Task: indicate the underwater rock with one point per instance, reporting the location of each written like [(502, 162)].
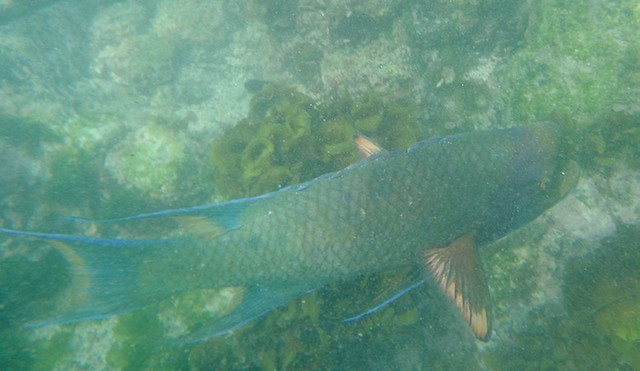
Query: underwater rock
[(191, 21), (149, 160), (571, 72), (144, 63)]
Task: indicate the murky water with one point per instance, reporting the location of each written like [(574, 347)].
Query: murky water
[(113, 108)]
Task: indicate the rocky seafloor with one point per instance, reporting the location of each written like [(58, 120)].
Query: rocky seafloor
[(112, 108)]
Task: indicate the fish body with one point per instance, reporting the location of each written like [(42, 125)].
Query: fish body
[(392, 210)]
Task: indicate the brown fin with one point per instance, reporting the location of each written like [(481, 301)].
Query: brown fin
[(200, 226), (456, 268), (366, 146)]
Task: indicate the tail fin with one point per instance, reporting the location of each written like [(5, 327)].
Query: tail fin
[(114, 276), (105, 277)]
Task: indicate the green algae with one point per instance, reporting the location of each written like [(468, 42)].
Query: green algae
[(571, 69), (578, 66), (56, 349), (288, 138), (595, 327), (292, 138), (304, 340), (511, 252), (29, 293), (332, 148), (605, 146), (137, 345), (620, 322), (603, 295)]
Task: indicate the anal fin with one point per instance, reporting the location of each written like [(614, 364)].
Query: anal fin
[(457, 270)]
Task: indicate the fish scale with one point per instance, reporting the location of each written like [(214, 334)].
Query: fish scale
[(425, 207)]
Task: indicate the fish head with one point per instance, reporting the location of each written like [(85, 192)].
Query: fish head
[(540, 175)]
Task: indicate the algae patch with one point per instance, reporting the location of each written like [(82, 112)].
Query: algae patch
[(289, 138)]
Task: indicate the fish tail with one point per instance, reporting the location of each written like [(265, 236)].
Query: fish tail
[(104, 277)]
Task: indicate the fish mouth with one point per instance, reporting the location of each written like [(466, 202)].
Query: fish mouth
[(559, 173), (565, 179)]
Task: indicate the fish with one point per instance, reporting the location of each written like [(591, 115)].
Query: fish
[(426, 209)]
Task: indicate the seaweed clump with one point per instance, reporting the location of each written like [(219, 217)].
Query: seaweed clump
[(289, 138), (603, 299)]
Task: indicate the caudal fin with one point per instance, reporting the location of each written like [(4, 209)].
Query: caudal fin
[(104, 277)]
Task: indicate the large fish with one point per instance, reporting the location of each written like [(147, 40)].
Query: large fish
[(425, 207)]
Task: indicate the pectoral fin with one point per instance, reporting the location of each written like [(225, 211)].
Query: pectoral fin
[(457, 270)]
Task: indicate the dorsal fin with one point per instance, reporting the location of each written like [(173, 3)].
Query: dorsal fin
[(458, 272), (366, 146)]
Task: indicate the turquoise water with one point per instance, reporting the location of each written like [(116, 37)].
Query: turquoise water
[(112, 108)]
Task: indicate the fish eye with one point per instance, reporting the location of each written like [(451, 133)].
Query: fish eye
[(544, 182)]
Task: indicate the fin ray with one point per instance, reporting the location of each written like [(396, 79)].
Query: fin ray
[(104, 283), (104, 276), (367, 147), (224, 213), (457, 270)]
